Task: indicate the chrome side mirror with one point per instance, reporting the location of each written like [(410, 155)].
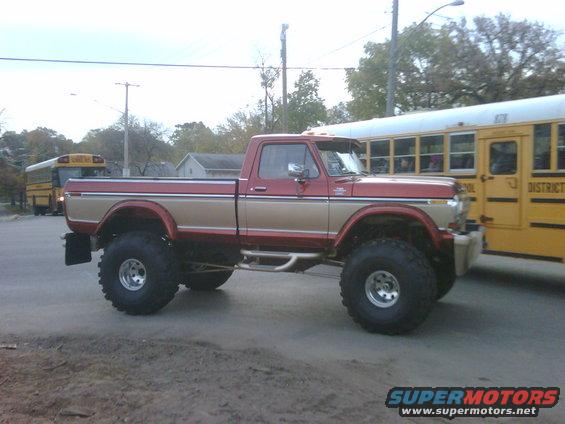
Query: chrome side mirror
[(297, 171)]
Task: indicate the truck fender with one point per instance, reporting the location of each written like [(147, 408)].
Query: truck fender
[(142, 208), (407, 211)]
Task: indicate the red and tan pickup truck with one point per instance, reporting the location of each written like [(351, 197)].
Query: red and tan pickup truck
[(301, 200)]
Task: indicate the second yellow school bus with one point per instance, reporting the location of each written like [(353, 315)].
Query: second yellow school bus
[(45, 180), (509, 155)]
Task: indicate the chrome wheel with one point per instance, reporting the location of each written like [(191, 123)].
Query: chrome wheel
[(132, 274), (382, 289)]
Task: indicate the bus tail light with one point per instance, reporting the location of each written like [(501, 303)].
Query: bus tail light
[(97, 159), (63, 159)]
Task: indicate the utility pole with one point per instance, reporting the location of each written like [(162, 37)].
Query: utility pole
[(392, 60), (284, 99), (125, 171)]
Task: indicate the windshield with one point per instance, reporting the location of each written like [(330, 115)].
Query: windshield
[(340, 158), (66, 173)]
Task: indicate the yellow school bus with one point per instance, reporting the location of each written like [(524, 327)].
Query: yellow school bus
[(45, 180), (509, 155)]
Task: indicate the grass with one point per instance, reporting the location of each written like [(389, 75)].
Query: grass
[(16, 210)]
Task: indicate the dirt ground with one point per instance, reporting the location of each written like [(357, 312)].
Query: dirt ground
[(110, 380)]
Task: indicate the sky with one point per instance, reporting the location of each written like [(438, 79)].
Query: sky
[(72, 98)]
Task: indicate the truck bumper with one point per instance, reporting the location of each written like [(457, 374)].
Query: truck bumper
[(467, 248)]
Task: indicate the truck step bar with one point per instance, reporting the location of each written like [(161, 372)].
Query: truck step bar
[(292, 259)]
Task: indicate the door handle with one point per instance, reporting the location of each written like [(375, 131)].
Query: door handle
[(484, 178), (260, 189), (484, 219)]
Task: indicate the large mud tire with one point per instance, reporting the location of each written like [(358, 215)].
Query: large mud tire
[(388, 286), (138, 273), (445, 280)]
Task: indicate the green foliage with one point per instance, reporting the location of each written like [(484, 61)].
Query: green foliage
[(270, 105), (192, 137), (495, 59), (146, 144), (235, 133), (11, 179), (306, 108), (44, 143), (499, 59), (339, 114)]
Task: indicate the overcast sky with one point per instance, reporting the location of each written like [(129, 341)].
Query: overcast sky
[(192, 32)]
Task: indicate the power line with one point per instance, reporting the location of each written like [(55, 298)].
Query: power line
[(352, 42), (172, 65)]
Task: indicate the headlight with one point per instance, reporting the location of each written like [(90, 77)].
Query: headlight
[(460, 208), (61, 198)]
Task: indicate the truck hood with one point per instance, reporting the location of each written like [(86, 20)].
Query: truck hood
[(405, 187)]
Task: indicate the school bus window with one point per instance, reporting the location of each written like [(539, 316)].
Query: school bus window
[(431, 153), (542, 146), (561, 146), (404, 155), (380, 156), (462, 152), (503, 158)]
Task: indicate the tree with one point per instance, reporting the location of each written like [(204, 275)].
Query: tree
[(270, 103), (498, 59), (106, 142), (235, 133), (306, 108), (338, 114), (495, 60), (192, 137), (44, 143), (146, 144)]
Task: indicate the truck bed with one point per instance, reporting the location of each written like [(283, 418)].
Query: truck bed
[(206, 206)]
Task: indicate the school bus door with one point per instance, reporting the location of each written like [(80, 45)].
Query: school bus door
[(501, 183)]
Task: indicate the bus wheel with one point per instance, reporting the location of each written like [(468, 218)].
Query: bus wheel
[(35, 208)]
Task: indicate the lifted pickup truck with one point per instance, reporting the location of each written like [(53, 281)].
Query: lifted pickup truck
[(301, 200)]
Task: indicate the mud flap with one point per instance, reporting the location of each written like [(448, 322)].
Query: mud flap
[(77, 249)]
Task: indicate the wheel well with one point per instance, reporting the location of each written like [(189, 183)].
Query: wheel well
[(388, 226), (130, 219)]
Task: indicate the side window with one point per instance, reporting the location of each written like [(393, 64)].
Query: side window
[(503, 158), (276, 157), (404, 155), (431, 153), (542, 146), (462, 152), (561, 146), (380, 157)]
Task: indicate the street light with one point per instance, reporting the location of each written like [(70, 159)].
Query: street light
[(96, 101), (393, 52)]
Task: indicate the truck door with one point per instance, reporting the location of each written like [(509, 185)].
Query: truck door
[(501, 183), (281, 211)]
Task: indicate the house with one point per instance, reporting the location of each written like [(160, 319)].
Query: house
[(210, 165)]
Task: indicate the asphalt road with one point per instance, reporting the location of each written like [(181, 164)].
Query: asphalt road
[(502, 325)]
